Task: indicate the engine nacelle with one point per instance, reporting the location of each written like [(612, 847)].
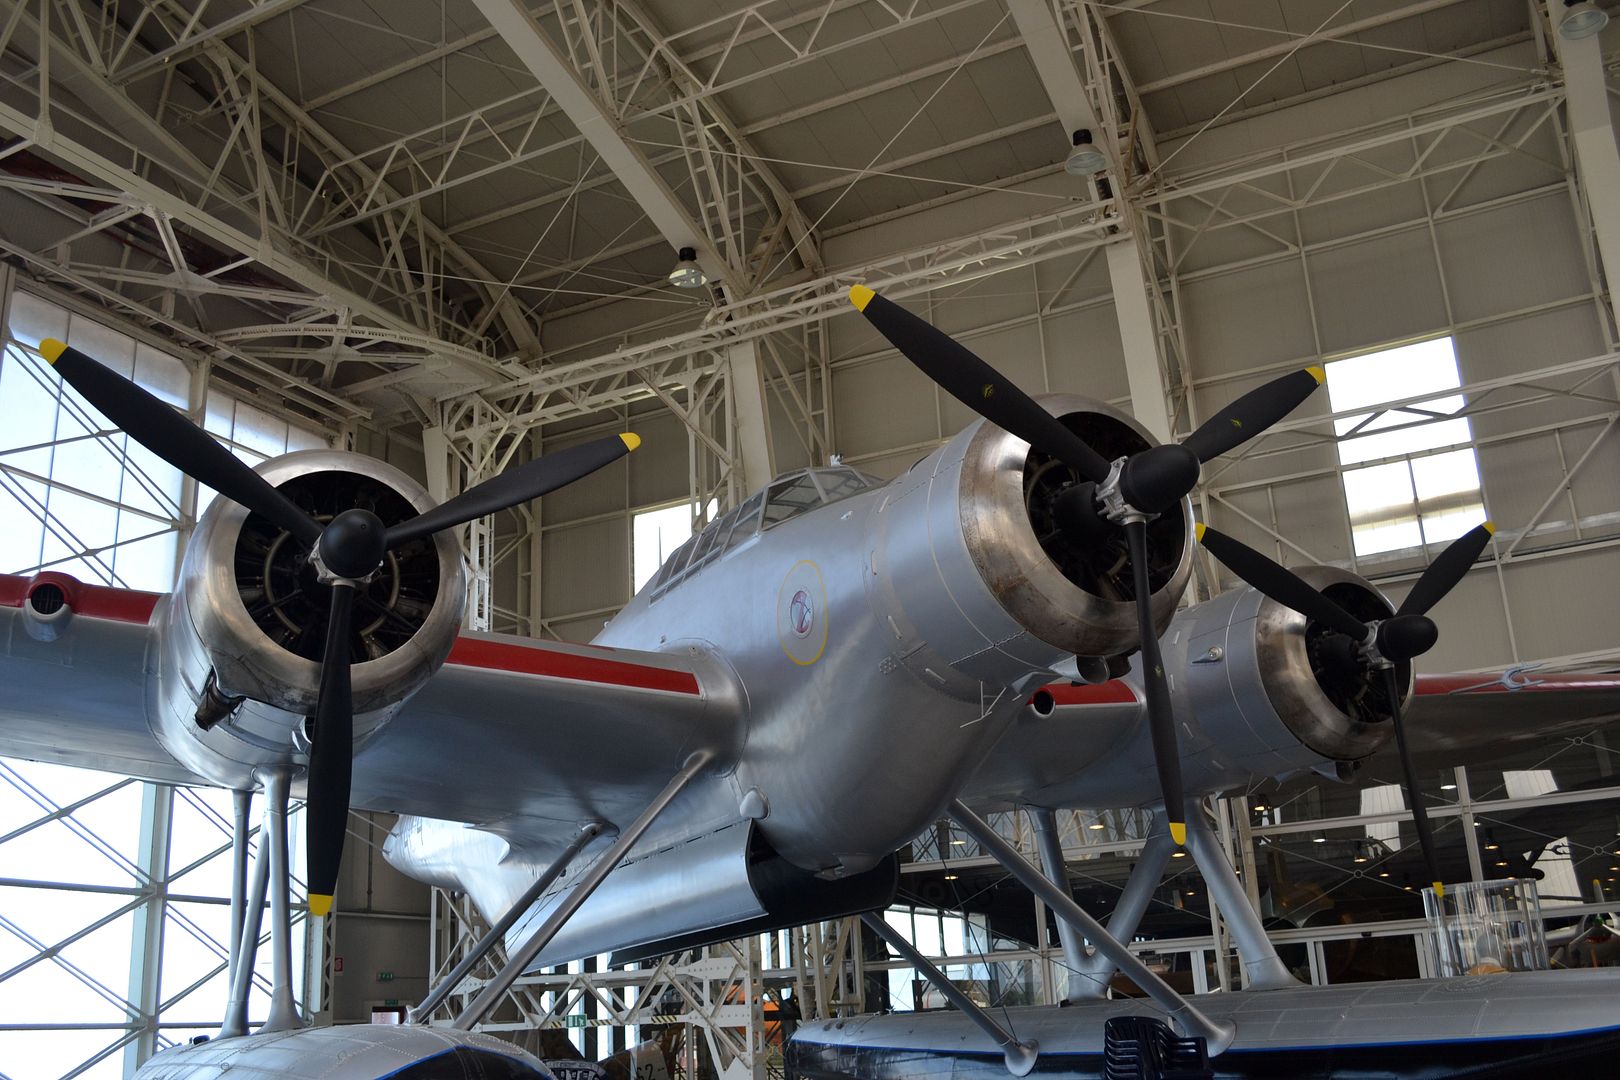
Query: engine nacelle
[(978, 585), (1254, 697), (243, 635)]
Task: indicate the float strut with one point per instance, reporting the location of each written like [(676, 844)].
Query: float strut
[(283, 1012), (1216, 1036), (1019, 1056), (1263, 969), (587, 832), (493, 990)]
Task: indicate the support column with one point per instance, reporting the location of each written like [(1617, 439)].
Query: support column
[(146, 965), (1019, 1057), (1217, 1035), (283, 1011), (1139, 335), (436, 996), (1596, 156), (490, 996), (1263, 969), (751, 408), (1074, 949)]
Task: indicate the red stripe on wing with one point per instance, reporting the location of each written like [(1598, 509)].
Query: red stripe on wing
[(92, 601), (1487, 682), (528, 660), (1112, 692)]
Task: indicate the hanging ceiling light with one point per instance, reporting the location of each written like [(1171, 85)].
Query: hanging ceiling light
[(1085, 159), (1582, 19), (687, 273)]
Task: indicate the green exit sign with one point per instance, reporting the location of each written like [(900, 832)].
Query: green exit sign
[(576, 1021), (385, 976)]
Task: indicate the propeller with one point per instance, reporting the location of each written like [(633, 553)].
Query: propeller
[(346, 551), (1381, 644), (1107, 494)]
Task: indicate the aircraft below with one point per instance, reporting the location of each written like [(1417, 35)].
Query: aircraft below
[(812, 680)]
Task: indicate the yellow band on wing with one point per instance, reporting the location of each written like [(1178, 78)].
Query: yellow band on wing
[(52, 350)]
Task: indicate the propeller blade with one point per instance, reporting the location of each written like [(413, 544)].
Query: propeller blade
[(169, 435), (1252, 413), (1279, 583), (528, 481), (1161, 719), (331, 762), (1446, 570), (976, 384), (1414, 796)]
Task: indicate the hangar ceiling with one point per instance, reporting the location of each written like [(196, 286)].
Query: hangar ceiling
[(394, 212)]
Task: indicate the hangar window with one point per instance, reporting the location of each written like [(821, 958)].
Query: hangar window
[(1410, 474), (654, 534)]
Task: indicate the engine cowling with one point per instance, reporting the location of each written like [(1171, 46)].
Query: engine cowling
[(979, 586), (242, 636)]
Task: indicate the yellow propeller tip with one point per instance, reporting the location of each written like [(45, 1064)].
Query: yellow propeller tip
[(1178, 833), (1318, 373), (860, 296), (1198, 532), (319, 905), (630, 440), (1489, 527), (1439, 890), (52, 350)]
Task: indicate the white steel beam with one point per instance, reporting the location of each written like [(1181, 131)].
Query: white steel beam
[(557, 73), (1139, 335), (753, 441), (1048, 47), (1592, 131)]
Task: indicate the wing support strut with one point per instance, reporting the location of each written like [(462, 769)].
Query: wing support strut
[(587, 832), (271, 875), (1192, 1021), (497, 987), (242, 805), (1263, 969), (1090, 972), (1019, 1056)]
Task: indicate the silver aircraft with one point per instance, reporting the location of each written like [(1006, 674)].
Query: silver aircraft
[(806, 685)]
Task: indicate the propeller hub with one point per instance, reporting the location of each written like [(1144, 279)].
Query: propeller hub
[(1402, 637), (1157, 478), (353, 545)]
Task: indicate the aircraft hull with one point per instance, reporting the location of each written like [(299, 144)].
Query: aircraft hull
[(1496, 1027)]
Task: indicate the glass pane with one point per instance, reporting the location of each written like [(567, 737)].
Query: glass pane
[(789, 498), (1445, 474)]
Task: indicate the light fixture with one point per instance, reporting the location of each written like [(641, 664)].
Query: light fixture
[(1178, 854), (1360, 858), (687, 273), (1085, 159), (1260, 808), (1383, 873), (1448, 787), (1096, 825), (1490, 841), (1318, 839), (1582, 19), (950, 877), (1501, 862), (959, 843)]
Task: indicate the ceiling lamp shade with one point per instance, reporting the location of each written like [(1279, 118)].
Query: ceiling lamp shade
[(1582, 19), (1085, 159), (687, 273)]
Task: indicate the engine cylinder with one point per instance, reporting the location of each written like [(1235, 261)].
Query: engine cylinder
[(245, 632)]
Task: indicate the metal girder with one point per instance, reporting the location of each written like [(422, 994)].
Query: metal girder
[(191, 37), (1591, 129), (561, 79), (1048, 46)]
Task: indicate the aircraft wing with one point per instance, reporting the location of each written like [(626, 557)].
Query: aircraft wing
[(1059, 758), (523, 738), (529, 738), (1452, 713)]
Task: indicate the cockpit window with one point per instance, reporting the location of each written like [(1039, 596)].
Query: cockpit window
[(791, 497), (787, 497)]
